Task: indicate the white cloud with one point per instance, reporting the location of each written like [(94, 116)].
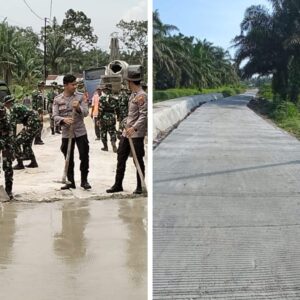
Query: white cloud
[(138, 12)]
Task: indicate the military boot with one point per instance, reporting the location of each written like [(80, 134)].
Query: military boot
[(33, 163), (57, 130), (84, 182), (20, 165), (117, 187), (105, 148), (8, 189), (115, 149)]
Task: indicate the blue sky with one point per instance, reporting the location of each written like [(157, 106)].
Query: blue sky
[(217, 21)]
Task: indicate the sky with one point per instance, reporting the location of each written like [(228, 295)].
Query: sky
[(217, 21), (104, 15)]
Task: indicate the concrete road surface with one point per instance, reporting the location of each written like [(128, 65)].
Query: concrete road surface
[(227, 207)]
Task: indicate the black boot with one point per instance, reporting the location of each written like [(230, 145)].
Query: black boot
[(8, 189), (138, 190), (113, 143), (105, 148), (57, 130), (68, 186), (33, 163), (52, 131), (84, 181), (20, 165), (115, 189), (38, 142)]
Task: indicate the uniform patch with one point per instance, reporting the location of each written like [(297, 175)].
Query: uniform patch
[(140, 100)]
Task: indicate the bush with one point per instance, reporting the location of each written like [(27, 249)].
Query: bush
[(286, 110), (227, 92)]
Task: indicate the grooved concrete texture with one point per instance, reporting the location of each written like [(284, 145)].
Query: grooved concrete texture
[(226, 207), (168, 113)]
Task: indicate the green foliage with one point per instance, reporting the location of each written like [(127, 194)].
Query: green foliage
[(227, 92), (265, 91), (159, 95), (270, 44), (183, 61), (134, 37)]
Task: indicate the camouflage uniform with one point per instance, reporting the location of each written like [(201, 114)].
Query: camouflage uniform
[(38, 106), (107, 118), (122, 111), (6, 146), (50, 96), (20, 114)]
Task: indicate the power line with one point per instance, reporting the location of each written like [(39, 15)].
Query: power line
[(33, 11)]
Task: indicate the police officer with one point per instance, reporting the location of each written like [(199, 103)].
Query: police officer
[(136, 125), (6, 146), (69, 108), (107, 117), (21, 114), (51, 95), (38, 105), (122, 110)]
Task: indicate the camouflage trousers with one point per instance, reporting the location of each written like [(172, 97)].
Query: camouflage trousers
[(108, 125), (24, 140), (51, 121), (38, 136), (7, 159), (122, 124)]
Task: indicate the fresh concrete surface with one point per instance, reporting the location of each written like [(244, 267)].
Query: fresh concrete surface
[(168, 113), (226, 206)]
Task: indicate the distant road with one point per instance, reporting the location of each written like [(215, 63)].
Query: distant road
[(226, 207)]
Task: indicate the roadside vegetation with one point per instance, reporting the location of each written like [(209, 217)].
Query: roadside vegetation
[(162, 95), (71, 47), (270, 44), (184, 65)]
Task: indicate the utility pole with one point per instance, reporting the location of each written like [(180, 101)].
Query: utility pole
[(45, 46)]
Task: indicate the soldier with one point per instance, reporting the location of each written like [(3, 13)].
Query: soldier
[(107, 118), (6, 146), (27, 101), (69, 108), (122, 110), (135, 128), (51, 95), (21, 114), (38, 106)]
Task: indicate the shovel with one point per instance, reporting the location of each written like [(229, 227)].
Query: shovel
[(3, 195), (137, 165), (67, 161)]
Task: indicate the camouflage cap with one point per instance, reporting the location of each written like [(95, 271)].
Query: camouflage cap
[(134, 73), (8, 98)]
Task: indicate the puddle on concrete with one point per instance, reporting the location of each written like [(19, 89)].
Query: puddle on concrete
[(73, 249)]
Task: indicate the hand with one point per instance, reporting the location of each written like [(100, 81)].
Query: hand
[(68, 121), (130, 131), (75, 104)]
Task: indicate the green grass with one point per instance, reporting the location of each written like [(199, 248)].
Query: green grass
[(159, 95), (285, 115)]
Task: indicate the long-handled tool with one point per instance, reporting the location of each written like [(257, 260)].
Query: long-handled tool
[(3, 195), (137, 165), (67, 161)]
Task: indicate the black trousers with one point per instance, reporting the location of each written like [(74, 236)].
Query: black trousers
[(82, 144), (123, 153)]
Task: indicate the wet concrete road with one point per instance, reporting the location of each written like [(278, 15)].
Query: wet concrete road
[(73, 250), (226, 200)]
